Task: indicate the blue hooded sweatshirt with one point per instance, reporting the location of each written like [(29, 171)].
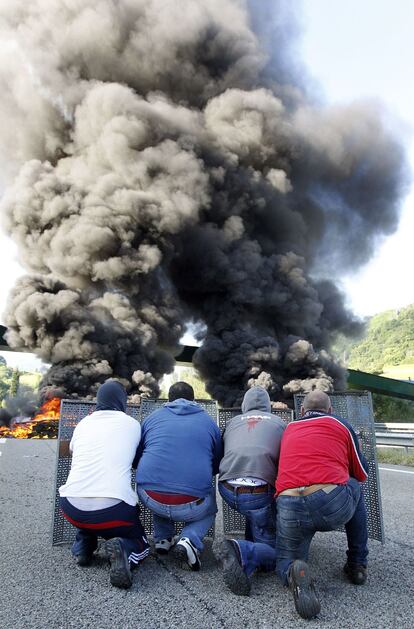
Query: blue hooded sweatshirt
[(180, 450)]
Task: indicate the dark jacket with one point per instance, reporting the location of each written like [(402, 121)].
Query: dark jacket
[(252, 440)]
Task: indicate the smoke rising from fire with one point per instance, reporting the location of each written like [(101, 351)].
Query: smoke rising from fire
[(168, 164)]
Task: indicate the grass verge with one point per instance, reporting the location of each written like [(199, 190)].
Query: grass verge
[(395, 456)]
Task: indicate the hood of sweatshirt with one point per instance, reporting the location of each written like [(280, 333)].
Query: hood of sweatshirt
[(183, 407), (256, 399), (111, 396)]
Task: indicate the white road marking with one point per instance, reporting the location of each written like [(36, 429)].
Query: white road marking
[(3, 440), (388, 469)]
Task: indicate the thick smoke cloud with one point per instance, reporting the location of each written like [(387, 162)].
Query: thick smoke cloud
[(23, 405), (167, 164)]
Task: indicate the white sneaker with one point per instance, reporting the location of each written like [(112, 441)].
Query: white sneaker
[(164, 545), (186, 552)]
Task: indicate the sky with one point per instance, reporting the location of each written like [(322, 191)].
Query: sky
[(364, 49), (354, 50)]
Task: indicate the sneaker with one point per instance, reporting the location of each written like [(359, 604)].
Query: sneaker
[(227, 554), (164, 545), (120, 572), (83, 559), (186, 552), (356, 573), (303, 590)]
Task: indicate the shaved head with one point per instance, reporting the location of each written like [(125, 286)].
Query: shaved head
[(317, 401)]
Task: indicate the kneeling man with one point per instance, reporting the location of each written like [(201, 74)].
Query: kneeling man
[(98, 497), (180, 451), (318, 488), (247, 477)]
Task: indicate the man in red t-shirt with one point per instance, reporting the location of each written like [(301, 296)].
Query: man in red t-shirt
[(318, 489)]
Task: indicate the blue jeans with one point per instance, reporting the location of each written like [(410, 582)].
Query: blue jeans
[(299, 517), (259, 510), (260, 513), (198, 518)]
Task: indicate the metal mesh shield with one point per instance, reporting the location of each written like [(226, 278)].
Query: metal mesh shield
[(226, 414), (356, 407), (234, 522), (71, 412), (148, 406)]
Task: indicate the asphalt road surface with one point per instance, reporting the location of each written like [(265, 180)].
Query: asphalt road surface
[(42, 588)]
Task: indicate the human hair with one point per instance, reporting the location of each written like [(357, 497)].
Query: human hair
[(180, 390)]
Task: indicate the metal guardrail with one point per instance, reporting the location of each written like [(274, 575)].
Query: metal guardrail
[(395, 439), (393, 434), (394, 427)]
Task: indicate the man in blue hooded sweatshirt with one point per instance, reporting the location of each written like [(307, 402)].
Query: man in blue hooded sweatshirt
[(98, 497), (180, 450)]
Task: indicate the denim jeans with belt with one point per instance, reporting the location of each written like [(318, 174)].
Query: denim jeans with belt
[(299, 517), (260, 512), (198, 518), (258, 509)]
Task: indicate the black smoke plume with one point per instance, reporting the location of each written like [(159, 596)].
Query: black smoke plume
[(5, 418), (23, 405), (169, 164)]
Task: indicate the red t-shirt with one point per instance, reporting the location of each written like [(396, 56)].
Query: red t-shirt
[(318, 449)]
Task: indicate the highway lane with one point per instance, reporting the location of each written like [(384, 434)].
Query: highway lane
[(42, 588)]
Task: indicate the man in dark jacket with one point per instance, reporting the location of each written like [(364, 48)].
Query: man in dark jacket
[(247, 480), (180, 452)]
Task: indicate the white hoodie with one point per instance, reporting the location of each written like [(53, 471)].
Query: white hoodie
[(103, 447)]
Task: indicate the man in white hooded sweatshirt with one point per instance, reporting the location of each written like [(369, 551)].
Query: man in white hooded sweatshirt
[(98, 497)]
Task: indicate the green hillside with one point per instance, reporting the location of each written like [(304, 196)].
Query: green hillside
[(387, 347), (389, 343), (14, 381)]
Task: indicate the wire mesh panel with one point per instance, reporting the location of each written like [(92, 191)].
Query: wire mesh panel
[(71, 412), (356, 407), (233, 522), (148, 406), (226, 414)]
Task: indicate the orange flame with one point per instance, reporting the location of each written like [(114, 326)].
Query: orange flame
[(49, 412)]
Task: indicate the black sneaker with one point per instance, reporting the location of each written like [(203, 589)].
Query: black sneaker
[(83, 559), (120, 573), (227, 554), (356, 573), (303, 590), (186, 553), (164, 545)]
